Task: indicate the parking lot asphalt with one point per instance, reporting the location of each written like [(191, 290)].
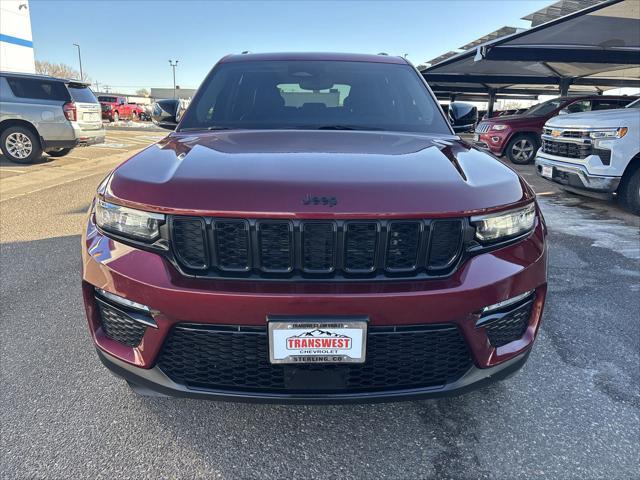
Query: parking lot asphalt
[(572, 412)]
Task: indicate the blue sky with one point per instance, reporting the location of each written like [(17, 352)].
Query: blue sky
[(127, 44)]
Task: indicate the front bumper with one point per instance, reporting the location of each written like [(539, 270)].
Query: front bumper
[(153, 381), (495, 141), (576, 176), (147, 278)]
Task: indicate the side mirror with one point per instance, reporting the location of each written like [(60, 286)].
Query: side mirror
[(462, 116), (166, 113), (564, 111)]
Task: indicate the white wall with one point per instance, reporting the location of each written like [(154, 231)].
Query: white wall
[(16, 42)]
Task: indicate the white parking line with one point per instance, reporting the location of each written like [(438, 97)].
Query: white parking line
[(116, 146)]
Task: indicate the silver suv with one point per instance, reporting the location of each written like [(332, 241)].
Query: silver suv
[(39, 114)]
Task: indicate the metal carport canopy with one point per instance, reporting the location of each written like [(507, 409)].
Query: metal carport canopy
[(592, 50)]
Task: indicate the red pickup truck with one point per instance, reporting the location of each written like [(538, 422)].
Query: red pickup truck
[(115, 108)]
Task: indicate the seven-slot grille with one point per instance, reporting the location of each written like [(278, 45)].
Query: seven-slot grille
[(315, 248), (482, 128)]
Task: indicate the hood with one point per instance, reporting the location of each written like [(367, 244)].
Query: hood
[(512, 119), (276, 173), (619, 117)]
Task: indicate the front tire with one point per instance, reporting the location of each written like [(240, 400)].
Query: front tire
[(629, 191), (60, 152), (521, 149), (20, 145)]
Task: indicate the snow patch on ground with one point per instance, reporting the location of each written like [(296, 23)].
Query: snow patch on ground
[(605, 231)]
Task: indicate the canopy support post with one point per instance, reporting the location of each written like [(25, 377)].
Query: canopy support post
[(492, 99), (564, 86)]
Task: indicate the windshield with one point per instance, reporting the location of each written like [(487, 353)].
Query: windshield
[(634, 104), (107, 99), (544, 107), (314, 95)]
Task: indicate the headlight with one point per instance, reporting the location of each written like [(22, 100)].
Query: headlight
[(498, 126), (609, 133), (504, 224), (128, 222)]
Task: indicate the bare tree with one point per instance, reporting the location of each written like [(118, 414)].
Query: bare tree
[(57, 70), (142, 92)]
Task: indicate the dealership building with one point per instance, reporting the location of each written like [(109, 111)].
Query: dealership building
[(16, 42)]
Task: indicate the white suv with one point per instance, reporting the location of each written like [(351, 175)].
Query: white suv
[(595, 153)]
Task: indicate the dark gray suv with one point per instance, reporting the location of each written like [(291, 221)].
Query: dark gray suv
[(39, 113)]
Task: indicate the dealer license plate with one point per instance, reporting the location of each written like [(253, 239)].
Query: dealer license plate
[(317, 341), (90, 117), (476, 138), (547, 171)]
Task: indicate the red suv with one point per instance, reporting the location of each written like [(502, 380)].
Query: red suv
[(313, 231), (518, 136)]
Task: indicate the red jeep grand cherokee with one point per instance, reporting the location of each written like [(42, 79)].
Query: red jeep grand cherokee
[(313, 231)]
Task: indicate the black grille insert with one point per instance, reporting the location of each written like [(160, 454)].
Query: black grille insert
[(276, 246), (446, 242), (508, 326), (567, 149), (232, 244), (237, 359), (189, 242), (361, 241), (119, 326), (318, 247), (403, 243)]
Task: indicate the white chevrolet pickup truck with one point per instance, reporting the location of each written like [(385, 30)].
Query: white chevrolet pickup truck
[(594, 153)]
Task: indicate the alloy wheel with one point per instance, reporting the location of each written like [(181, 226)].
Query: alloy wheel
[(18, 145), (522, 150)]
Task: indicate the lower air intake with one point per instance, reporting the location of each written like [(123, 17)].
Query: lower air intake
[(237, 359), (118, 326)]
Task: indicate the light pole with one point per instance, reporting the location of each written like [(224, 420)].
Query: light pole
[(174, 65), (80, 60)]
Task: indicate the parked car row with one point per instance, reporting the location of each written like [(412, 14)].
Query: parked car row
[(595, 153), (587, 144), (518, 137), (39, 113)]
